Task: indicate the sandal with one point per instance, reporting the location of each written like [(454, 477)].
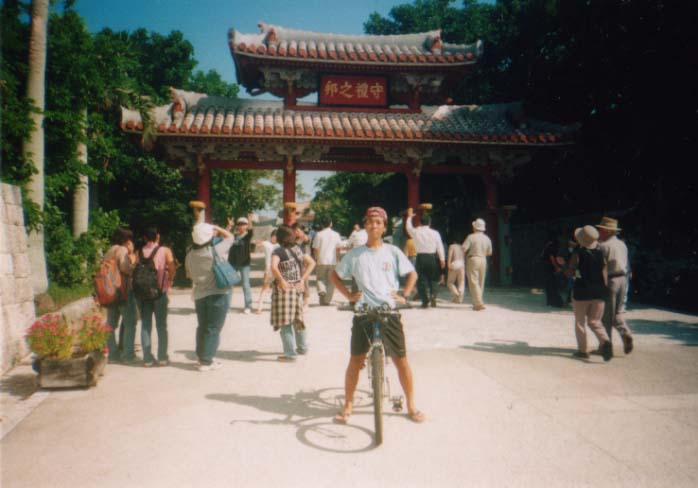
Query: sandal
[(417, 417), (341, 418)]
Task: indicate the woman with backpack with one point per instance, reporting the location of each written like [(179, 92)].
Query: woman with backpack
[(211, 303), (152, 278), (291, 268), (122, 254)]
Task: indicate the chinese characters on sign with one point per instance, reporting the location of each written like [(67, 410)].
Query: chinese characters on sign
[(353, 90)]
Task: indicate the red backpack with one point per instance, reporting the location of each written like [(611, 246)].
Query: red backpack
[(110, 288)]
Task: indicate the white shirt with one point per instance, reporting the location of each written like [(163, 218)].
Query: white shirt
[(268, 249), (426, 240), (616, 253), (477, 245), (357, 238), (376, 272), (326, 242)]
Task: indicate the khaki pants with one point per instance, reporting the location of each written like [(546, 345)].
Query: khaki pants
[(476, 270), (325, 287), (456, 276), (591, 312), (613, 313)]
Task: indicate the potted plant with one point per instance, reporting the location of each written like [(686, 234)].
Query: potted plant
[(67, 357)]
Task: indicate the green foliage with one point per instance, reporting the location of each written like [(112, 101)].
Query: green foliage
[(211, 83), (235, 193), (344, 197), (73, 261)]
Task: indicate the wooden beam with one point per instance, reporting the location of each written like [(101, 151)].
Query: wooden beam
[(351, 167)]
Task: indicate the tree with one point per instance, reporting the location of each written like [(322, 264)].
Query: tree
[(33, 147)]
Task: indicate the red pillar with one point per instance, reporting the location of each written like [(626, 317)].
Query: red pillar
[(289, 191), (413, 194), (412, 190), (203, 185), (492, 220)]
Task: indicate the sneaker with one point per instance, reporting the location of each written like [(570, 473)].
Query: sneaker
[(165, 362), (302, 352), (581, 355), (606, 350), (148, 364), (627, 343), (210, 367), (285, 359), (247, 311)]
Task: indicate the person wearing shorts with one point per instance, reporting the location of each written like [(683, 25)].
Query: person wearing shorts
[(376, 267)]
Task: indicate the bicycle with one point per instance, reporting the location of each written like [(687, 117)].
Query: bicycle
[(377, 359)]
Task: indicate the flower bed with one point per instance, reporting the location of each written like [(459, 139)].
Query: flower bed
[(67, 356)]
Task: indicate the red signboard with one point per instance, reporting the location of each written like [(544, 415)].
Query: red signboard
[(353, 90)]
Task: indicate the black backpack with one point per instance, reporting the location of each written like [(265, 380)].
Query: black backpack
[(145, 278)]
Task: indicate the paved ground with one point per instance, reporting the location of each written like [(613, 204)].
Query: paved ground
[(506, 406)]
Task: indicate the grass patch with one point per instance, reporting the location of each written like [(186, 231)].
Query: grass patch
[(62, 296)]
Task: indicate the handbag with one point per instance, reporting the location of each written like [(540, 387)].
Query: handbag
[(224, 273)]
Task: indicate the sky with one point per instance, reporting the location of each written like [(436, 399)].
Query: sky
[(205, 23)]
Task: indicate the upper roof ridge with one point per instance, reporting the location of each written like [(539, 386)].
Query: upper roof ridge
[(285, 33)]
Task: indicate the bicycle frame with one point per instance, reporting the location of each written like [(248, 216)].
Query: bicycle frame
[(376, 362)]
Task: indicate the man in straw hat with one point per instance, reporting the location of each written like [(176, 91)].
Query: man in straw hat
[(477, 248), (616, 254)]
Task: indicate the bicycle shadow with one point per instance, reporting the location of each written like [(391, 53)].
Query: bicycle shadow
[(310, 413)]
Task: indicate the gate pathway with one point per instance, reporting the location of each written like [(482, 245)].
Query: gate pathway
[(506, 405)]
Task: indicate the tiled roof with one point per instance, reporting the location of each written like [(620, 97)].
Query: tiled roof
[(425, 48), (197, 114)]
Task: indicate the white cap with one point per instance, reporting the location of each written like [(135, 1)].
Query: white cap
[(202, 233), (242, 220)]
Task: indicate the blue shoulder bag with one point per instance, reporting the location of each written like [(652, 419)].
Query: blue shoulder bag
[(224, 273)]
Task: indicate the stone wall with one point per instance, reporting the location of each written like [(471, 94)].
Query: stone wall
[(16, 294)]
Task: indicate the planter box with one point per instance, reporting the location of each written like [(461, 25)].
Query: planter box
[(66, 373)]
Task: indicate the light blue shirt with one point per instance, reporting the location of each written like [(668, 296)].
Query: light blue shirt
[(376, 272)]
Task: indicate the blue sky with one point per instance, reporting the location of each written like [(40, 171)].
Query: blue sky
[(205, 23)]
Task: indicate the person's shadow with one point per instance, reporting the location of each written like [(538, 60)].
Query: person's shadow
[(520, 348)]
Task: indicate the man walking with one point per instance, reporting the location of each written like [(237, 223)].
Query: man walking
[(616, 254), (430, 257), (477, 248), (326, 247), (376, 267), (240, 258)]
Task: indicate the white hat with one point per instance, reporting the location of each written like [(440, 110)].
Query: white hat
[(202, 233), (479, 224), (242, 220), (587, 236)]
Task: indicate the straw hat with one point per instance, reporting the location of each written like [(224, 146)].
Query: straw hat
[(202, 233), (607, 223), (479, 224), (587, 236)]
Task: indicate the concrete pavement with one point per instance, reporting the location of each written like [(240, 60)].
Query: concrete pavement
[(506, 405)]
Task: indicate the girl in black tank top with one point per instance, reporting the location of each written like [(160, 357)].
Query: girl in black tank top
[(591, 284)]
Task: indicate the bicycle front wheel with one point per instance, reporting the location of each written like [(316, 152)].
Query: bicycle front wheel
[(377, 384)]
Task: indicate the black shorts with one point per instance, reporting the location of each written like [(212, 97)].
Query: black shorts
[(391, 332)]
